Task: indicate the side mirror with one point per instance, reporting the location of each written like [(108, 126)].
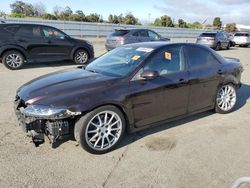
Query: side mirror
[(149, 74)]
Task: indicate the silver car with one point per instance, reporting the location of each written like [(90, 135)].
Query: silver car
[(216, 40), (242, 39), (128, 36)]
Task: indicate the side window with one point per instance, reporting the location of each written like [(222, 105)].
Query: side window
[(169, 60), (136, 34), (143, 33), (153, 36), (12, 29), (53, 33), (200, 57), (34, 31)]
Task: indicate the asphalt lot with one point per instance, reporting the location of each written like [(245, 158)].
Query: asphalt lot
[(205, 150)]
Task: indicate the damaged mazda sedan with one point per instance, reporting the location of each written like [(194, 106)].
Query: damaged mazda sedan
[(130, 88)]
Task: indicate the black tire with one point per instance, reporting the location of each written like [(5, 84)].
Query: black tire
[(218, 46), (81, 56), (13, 54), (83, 124), (228, 46), (218, 107)]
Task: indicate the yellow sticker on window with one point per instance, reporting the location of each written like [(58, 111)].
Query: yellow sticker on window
[(136, 57), (168, 56)]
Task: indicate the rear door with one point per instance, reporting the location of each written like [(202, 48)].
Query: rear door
[(30, 37), (206, 73), (143, 36)]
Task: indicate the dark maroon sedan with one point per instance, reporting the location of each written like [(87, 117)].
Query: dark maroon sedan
[(130, 88)]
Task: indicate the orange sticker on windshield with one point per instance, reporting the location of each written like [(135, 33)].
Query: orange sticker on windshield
[(168, 56), (136, 57)]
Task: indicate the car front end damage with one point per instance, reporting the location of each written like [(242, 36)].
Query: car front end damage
[(39, 121)]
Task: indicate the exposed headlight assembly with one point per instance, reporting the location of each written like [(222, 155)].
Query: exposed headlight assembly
[(47, 112)]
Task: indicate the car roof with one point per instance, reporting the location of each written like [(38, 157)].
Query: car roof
[(25, 24), (157, 44), (132, 29)]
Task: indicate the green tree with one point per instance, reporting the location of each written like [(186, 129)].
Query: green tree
[(217, 23), (39, 9), (49, 17), (19, 7), (93, 18), (157, 22), (166, 21), (130, 19), (182, 23), (231, 27)]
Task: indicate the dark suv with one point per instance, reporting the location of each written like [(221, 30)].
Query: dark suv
[(128, 36), (21, 43)]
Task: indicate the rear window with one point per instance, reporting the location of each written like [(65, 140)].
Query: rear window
[(241, 35), (34, 31), (207, 35), (119, 33), (12, 29)]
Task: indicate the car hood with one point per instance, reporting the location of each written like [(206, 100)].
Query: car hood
[(54, 87)]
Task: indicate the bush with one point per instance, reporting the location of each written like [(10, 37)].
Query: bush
[(16, 15), (49, 17)]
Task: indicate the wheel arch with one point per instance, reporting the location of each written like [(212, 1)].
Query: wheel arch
[(72, 55), (121, 107), (16, 48)]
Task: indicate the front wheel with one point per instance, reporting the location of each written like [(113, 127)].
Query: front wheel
[(81, 56), (225, 99), (100, 130)]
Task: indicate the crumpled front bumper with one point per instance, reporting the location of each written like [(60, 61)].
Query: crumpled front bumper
[(39, 128)]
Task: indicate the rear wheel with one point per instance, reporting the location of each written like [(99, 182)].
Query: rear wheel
[(100, 130), (218, 46), (13, 60), (81, 56), (225, 99)]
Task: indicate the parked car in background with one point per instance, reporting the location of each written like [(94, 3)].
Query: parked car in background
[(21, 43), (242, 39), (132, 87), (128, 36), (230, 38), (216, 40)]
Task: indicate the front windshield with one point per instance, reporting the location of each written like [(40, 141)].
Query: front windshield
[(120, 61)]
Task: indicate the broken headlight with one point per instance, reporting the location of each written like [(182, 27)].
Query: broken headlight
[(47, 112)]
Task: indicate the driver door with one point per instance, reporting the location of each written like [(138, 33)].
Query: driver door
[(165, 96), (58, 45)]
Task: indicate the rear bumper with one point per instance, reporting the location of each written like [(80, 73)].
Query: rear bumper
[(208, 44)]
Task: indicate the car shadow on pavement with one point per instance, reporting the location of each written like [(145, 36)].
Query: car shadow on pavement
[(243, 96)]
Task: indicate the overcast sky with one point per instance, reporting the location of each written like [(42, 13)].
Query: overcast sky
[(189, 10)]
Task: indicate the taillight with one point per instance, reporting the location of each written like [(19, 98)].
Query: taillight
[(121, 40)]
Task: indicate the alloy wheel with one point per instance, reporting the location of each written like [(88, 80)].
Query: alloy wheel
[(103, 130), (14, 60), (226, 98), (82, 57)]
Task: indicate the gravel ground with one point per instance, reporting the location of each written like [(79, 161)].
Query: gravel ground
[(205, 150)]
